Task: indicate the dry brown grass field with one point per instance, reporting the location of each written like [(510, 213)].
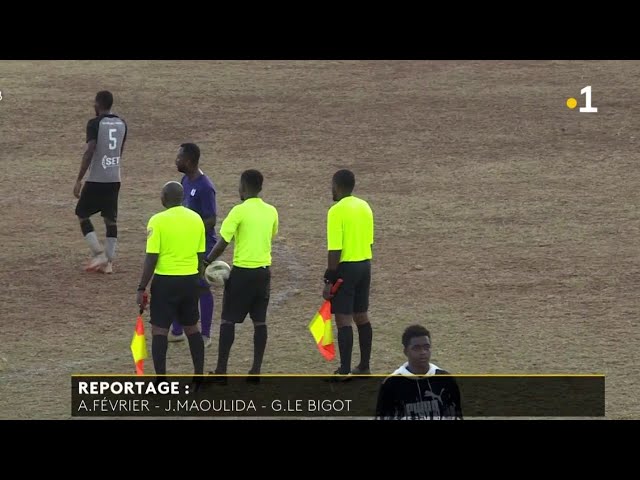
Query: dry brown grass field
[(506, 223)]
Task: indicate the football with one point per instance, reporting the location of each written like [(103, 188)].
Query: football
[(217, 273)]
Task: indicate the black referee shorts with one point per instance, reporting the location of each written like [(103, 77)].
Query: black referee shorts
[(353, 295), (99, 197), (174, 298), (246, 291)]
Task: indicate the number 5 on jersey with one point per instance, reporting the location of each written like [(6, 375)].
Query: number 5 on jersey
[(112, 140)]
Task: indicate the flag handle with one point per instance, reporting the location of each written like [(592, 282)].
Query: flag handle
[(336, 286), (145, 300)]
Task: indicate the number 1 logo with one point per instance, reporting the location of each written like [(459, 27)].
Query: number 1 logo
[(586, 91)]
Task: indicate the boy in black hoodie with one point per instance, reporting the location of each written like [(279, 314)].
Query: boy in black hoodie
[(418, 390)]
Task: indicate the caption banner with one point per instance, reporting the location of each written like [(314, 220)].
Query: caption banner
[(322, 396)]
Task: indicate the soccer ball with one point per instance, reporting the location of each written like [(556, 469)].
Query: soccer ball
[(216, 273)]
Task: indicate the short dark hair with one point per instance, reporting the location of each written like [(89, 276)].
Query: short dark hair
[(192, 151), (252, 179), (345, 179), (414, 331), (104, 99)]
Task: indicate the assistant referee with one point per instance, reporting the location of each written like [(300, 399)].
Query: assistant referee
[(251, 225), (350, 243), (175, 254)]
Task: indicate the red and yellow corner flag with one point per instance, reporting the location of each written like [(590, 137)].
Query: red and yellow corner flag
[(139, 346), (322, 329)]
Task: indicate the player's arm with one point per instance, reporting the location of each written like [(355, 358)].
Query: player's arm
[(217, 250), (202, 251), (334, 246), (84, 166), (209, 216), (227, 232), (210, 223), (92, 138), (86, 159)]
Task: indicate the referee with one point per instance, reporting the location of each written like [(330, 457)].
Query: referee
[(252, 225), (175, 250), (350, 242)]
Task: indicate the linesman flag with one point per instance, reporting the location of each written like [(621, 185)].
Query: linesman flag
[(139, 346), (138, 342), (322, 329)]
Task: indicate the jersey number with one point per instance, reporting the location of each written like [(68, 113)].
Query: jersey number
[(113, 141)]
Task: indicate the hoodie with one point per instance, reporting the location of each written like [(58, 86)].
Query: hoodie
[(407, 396), (404, 370)]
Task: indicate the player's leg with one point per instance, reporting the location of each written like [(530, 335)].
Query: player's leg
[(188, 316), (361, 318), (258, 313), (111, 243), (342, 307), (206, 315), (88, 205), (163, 308), (176, 334), (234, 310), (110, 216)]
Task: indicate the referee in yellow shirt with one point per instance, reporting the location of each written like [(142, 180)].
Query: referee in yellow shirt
[(175, 254), (252, 226), (350, 242)]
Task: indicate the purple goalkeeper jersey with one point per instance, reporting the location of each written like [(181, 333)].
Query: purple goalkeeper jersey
[(200, 196)]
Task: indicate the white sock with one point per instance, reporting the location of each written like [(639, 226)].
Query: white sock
[(94, 243), (110, 248)]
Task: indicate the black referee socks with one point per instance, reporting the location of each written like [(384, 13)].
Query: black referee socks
[(259, 345), (365, 337), (345, 343), (196, 345), (159, 352), (227, 336)]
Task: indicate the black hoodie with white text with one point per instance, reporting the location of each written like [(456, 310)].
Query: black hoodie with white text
[(407, 396)]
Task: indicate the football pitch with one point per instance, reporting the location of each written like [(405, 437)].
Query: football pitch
[(506, 222)]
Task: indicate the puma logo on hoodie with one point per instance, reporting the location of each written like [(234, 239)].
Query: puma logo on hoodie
[(407, 396)]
